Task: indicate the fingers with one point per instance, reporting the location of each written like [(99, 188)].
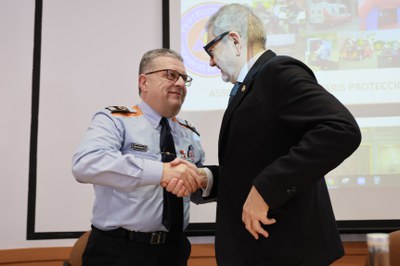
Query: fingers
[(253, 225), (171, 185), (202, 178), (178, 161), (180, 170), (194, 179), (259, 229), (191, 180), (176, 186), (183, 192), (255, 213), (185, 162), (188, 175)]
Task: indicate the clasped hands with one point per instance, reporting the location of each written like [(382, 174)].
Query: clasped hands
[(181, 177)]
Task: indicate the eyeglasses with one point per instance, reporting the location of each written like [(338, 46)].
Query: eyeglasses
[(174, 76), (214, 41)]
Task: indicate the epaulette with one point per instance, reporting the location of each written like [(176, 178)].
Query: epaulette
[(119, 109), (189, 126)]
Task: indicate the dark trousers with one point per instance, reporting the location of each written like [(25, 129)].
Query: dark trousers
[(107, 250)]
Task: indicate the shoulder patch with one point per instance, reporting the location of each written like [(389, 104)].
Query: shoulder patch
[(118, 109), (123, 111), (187, 125)]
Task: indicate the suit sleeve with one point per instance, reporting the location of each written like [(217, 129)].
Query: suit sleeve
[(324, 130)]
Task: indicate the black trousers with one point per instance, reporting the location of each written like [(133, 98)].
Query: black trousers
[(103, 249)]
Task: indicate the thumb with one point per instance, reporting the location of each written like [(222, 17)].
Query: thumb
[(175, 162)]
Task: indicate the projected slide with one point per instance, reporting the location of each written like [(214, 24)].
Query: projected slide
[(344, 42)]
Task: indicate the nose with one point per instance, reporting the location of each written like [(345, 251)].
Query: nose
[(180, 81), (212, 62)]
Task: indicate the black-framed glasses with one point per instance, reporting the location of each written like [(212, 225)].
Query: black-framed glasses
[(214, 41), (174, 76)]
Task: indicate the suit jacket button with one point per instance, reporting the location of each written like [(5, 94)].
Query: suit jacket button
[(289, 192)]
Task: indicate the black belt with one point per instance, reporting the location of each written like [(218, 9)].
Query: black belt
[(154, 238)]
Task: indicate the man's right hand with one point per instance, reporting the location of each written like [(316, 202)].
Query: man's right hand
[(202, 179), (176, 186), (180, 178)]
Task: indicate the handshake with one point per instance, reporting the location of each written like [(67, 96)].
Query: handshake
[(182, 178)]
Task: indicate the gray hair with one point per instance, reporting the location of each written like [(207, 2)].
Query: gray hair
[(146, 63), (239, 18)]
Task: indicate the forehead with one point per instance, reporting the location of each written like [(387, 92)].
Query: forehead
[(168, 62)]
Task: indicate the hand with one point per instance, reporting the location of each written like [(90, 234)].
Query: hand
[(182, 172), (175, 186), (202, 180), (255, 211)]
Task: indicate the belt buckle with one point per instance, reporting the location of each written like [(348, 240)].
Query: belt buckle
[(158, 238)]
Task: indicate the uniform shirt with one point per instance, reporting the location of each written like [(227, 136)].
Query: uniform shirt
[(120, 155)]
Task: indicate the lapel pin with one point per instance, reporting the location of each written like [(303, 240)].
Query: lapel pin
[(243, 88)]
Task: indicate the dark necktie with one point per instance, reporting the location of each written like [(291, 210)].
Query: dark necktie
[(173, 206), (234, 90)]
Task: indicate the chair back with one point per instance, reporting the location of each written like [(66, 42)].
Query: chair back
[(75, 258), (394, 248)]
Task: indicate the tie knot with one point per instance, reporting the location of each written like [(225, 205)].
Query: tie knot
[(164, 122), (235, 89)]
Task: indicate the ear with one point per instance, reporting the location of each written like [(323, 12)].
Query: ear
[(142, 82), (237, 41)]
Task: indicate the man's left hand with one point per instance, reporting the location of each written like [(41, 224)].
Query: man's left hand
[(255, 212)]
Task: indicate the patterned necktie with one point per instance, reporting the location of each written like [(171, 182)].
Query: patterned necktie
[(234, 91), (173, 206)]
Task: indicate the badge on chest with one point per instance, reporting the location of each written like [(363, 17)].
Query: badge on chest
[(139, 147)]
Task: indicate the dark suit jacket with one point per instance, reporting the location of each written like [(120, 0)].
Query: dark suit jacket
[(282, 133)]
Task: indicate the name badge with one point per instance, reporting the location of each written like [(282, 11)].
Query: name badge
[(139, 147)]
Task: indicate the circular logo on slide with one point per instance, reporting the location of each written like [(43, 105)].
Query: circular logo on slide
[(194, 37)]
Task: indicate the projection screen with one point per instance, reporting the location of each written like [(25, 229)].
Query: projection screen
[(354, 49)]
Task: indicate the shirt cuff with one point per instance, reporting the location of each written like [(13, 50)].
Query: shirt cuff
[(210, 181), (152, 172)]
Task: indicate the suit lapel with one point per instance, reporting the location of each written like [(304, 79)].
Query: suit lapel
[(246, 86)]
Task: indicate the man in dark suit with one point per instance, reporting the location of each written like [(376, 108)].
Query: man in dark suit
[(280, 134)]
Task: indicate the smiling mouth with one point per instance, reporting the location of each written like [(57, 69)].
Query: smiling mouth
[(176, 93)]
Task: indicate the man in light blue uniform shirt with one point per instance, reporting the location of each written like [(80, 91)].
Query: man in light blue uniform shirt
[(120, 155)]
